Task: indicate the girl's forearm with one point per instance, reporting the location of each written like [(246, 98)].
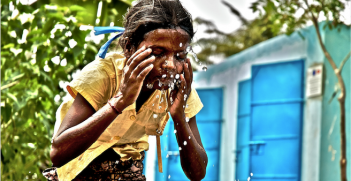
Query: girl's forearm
[(75, 140), (192, 154)]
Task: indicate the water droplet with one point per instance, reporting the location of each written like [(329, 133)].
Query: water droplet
[(171, 76), (187, 106), (164, 76), (204, 68), (177, 54), (157, 96), (160, 84), (184, 87), (155, 115), (189, 137), (177, 76), (180, 44), (183, 106), (161, 100), (188, 48), (248, 179), (149, 86), (167, 156), (159, 107), (200, 63), (187, 119), (153, 104), (175, 131), (182, 91), (251, 174), (185, 143), (180, 148), (171, 99), (117, 162), (185, 96)]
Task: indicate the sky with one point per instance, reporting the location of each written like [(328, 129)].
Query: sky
[(225, 21)]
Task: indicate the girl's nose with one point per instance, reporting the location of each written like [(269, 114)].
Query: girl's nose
[(169, 63)]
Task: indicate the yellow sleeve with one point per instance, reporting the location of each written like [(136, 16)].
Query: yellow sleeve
[(194, 104), (96, 83)]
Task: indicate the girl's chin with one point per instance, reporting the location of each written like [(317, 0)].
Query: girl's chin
[(160, 84)]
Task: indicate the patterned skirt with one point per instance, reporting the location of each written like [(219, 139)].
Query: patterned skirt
[(107, 167)]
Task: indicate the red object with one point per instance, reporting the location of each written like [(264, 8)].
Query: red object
[(113, 107)]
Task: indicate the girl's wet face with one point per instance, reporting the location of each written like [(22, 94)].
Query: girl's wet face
[(169, 48)]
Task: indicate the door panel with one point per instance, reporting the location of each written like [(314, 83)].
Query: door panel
[(242, 152), (276, 116)]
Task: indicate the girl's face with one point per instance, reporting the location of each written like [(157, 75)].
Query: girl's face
[(169, 48)]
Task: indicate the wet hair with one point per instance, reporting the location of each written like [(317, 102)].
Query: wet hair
[(149, 15)]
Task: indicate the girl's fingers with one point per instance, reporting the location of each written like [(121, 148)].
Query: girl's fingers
[(182, 91), (141, 56), (141, 66), (187, 74), (190, 70), (144, 72), (135, 54), (135, 61)]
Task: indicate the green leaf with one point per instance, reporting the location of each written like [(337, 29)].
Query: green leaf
[(11, 96), (11, 45), (76, 8), (46, 89)]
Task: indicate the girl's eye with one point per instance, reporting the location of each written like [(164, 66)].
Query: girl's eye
[(181, 56), (157, 53)]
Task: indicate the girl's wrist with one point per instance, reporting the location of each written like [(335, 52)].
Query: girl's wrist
[(117, 103)]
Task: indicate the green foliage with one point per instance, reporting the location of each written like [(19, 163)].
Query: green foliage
[(30, 79), (289, 15), (226, 44)]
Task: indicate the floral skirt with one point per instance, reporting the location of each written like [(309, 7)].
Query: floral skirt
[(107, 167)]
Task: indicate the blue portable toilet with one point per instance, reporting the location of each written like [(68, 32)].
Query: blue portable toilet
[(263, 126)]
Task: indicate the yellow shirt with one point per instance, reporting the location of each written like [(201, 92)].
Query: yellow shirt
[(128, 133)]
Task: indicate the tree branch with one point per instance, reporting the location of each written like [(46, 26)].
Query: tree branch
[(344, 61), (341, 98), (9, 85)]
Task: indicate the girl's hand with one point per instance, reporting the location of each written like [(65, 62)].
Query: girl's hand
[(134, 73), (179, 96)]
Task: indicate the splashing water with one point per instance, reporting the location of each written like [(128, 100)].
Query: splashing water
[(149, 86), (189, 137), (185, 96), (167, 156), (180, 44), (175, 131), (187, 119), (185, 143), (171, 76), (177, 76), (169, 176), (164, 76), (155, 116), (180, 148)]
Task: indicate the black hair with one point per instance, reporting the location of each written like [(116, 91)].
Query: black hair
[(148, 15)]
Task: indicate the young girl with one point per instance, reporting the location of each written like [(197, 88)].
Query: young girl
[(121, 99)]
